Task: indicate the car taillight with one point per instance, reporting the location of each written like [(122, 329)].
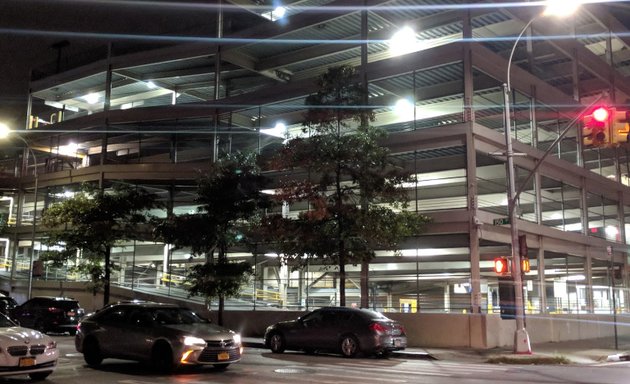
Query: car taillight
[(71, 313), (376, 327), (402, 329)]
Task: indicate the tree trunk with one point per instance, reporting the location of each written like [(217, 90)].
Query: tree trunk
[(108, 253), (221, 308), (342, 284), (365, 297)]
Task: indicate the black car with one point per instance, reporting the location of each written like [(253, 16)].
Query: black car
[(165, 335), (49, 314), (7, 303), (349, 331)]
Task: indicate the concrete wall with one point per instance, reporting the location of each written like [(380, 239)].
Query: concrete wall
[(442, 330)]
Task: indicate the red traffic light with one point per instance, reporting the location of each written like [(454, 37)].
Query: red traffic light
[(501, 265), (601, 114), (597, 127)]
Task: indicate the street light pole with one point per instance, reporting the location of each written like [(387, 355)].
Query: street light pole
[(521, 337), (33, 231), (4, 132)]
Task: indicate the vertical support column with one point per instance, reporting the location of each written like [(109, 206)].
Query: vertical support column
[(584, 207), (575, 76), (107, 103), (620, 218), (540, 262), (365, 265), (471, 172), (217, 80), (611, 65), (538, 197), (588, 269), (533, 117), (469, 111)]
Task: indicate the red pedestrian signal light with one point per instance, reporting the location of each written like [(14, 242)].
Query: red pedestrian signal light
[(597, 129), (501, 266)]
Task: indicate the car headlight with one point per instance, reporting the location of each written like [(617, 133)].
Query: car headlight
[(237, 338), (51, 345), (192, 340)]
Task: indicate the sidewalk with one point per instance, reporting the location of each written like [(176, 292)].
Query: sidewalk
[(593, 351)]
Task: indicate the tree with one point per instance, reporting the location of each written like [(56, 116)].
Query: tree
[(229, 197), (349, 180), (90, 224)]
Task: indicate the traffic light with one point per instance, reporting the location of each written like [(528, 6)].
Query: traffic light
[(597, 127), (501, 266), (525, 265), (620, 127)]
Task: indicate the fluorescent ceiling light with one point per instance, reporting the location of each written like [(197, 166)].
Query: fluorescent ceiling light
[(91, 98), (280, 130), (278, 13), (404, 108), (69, 150), (404, 41)]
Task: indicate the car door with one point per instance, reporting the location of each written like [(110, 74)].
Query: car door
[(26, 314), (111, 332), (315, 332), (138, 333)]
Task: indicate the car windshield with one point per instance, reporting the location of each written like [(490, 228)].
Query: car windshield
[(173, 316)]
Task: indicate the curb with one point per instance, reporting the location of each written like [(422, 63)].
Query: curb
[(618, 357)]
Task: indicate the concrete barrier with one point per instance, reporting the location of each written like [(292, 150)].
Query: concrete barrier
[(438, 330)]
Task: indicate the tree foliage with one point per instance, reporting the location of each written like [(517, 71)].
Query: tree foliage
[(86, 227), (229, 197), (353, 188)]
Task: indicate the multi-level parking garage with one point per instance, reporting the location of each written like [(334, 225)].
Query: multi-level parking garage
[(152, 116)]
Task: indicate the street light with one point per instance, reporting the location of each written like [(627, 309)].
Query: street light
[(5, 131), (521, 337)]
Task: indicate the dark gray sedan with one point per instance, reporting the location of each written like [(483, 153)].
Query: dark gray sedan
[(164, 335), (348, 331)]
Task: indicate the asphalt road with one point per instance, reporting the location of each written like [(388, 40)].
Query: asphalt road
[(261, 366)]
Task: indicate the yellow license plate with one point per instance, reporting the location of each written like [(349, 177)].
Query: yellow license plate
[(27, 361), (223, 356)]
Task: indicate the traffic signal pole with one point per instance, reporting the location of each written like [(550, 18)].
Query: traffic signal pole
[(521, 337)]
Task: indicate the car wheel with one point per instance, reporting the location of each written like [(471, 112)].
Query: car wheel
[(349, 346), (277, 343), (92, 352), (162, 358), (72, 332), (39, 375), (309, 351)]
